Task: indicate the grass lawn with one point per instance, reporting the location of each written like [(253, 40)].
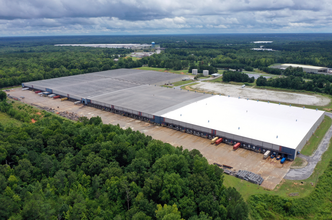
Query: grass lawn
[(164, 69), (134, 58), (11, 87), (167, 86), (6, 120), (317, 137), (219, 80), (179, 83), (297, 162), (184, 87), (204, 77), (244, 187)]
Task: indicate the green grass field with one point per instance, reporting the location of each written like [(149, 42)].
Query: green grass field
[(317, 137), (179, 83), (134, 58), (7, 121), (164, 69), (184, 87), (297, 162), (218, 80)]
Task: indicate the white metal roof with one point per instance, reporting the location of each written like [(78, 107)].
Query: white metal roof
[(303, 66), (257, 120)]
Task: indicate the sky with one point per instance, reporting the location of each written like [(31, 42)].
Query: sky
[(107, 17)]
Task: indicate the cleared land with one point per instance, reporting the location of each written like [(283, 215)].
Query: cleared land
[(7, 121), (271, 170), (260, 94)]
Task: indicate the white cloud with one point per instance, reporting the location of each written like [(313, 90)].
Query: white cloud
[(21, 17)]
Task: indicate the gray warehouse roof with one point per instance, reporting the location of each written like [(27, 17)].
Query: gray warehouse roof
[(93, 84), (134, 91), (125, 88), (147, 98)]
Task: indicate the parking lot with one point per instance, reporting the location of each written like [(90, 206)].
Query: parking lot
[(270, 169)]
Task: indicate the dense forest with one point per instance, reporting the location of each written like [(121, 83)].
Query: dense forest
[(16, 68), (34, 58), (59, 169)]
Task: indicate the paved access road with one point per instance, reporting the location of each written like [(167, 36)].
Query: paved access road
[(305, 172)]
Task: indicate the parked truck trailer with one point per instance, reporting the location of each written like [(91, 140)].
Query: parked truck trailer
[(266, 154), (218, 141), (214, 140), (236, 146)]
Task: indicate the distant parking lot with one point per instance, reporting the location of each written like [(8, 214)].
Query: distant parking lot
[(256, 76)]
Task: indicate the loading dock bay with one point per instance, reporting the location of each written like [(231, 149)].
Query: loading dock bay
[(270, 169)]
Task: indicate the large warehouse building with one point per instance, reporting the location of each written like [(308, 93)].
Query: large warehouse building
[(135, 93), (306, 68)]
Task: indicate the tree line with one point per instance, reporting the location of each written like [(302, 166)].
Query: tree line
[(237, 77), (315, 206), (16, 68), (295, 78)]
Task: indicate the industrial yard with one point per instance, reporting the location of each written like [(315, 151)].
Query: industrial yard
[(262, 94), (270, 169), (242, 129)]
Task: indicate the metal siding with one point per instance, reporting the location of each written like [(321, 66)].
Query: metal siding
[(206, 130), (220, 134), (256, 143), (275, 147), (237, 138), (247, 140), (267, 145)]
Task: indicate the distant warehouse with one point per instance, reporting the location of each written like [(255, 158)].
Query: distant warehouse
[(306, 68), (254, 125)]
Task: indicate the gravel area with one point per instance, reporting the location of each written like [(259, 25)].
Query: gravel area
[(305, 173), (262, 94)]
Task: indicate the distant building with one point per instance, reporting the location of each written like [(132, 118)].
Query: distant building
[(263, 42), (194, 71), (126, 46), (306, 68), (205, 72), (261, 48)]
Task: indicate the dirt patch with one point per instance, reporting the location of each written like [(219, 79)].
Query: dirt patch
[(188, 88), (262, 94), (33, 121), (280, 184), (38, 113), (293, 194)]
